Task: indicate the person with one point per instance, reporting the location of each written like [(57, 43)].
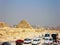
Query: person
[(55, 37)]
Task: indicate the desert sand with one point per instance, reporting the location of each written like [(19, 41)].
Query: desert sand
[(12, 34)]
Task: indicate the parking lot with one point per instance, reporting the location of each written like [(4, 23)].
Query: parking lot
[(14, 43)]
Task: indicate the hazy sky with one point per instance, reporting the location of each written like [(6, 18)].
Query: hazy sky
[(42, 12)]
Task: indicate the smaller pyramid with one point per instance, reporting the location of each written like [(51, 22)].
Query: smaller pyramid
[(3, 24), (24, 24)]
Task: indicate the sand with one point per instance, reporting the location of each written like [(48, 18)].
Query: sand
[(12, 34)]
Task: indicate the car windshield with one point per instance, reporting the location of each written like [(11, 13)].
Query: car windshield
[(35, 40), (47, 35), (27, 39)]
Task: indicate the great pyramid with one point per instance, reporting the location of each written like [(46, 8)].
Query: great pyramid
[(24, 24), (3, 24)]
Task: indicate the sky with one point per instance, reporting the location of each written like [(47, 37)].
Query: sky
[(36, 12)]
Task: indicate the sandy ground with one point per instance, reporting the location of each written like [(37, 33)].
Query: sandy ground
[(12, 34)]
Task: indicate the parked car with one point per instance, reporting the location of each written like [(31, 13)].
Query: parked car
[(35, 41), (51, 40), (19, 42), (27, 41), (47, 36), (48, 41)]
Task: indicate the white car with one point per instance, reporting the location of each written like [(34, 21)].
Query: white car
[(47, 36), (27, 41), (35, 41), (50, 40), (46, 41)]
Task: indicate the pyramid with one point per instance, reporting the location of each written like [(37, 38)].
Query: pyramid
[(24, 24), (3, 24)]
